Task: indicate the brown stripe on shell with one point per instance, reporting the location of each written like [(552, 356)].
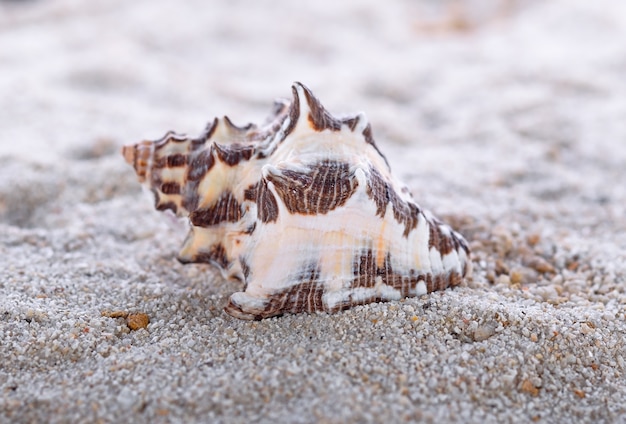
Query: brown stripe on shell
[(156, 186), (436, 238), (326, 186), (404, 212), (176, 160), (170, 161), (442, 281), (382, 193), (215, 255), (366, 272), (225, 209), (251, 192), (267, 206), (377, 191), (319, 118), (433, 235), (200, 164), (233, 154), (305, 296), (364, 269), (170, 188)]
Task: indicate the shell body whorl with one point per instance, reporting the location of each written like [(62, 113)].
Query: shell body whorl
[(303, 210)]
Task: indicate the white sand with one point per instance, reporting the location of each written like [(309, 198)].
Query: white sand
[(515, 132)]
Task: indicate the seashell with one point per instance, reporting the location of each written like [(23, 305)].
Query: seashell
[(303, 210)]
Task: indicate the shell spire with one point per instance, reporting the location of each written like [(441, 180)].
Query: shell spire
[(309, 110), (303, 209)]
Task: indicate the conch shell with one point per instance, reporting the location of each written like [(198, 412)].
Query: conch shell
[(303, 210)]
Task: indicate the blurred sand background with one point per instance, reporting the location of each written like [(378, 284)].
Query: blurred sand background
[(506, 119)]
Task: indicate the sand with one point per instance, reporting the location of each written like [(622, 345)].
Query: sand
[(510, 126)]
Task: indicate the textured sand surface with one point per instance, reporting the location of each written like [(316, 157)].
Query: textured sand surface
[(510, 126)]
